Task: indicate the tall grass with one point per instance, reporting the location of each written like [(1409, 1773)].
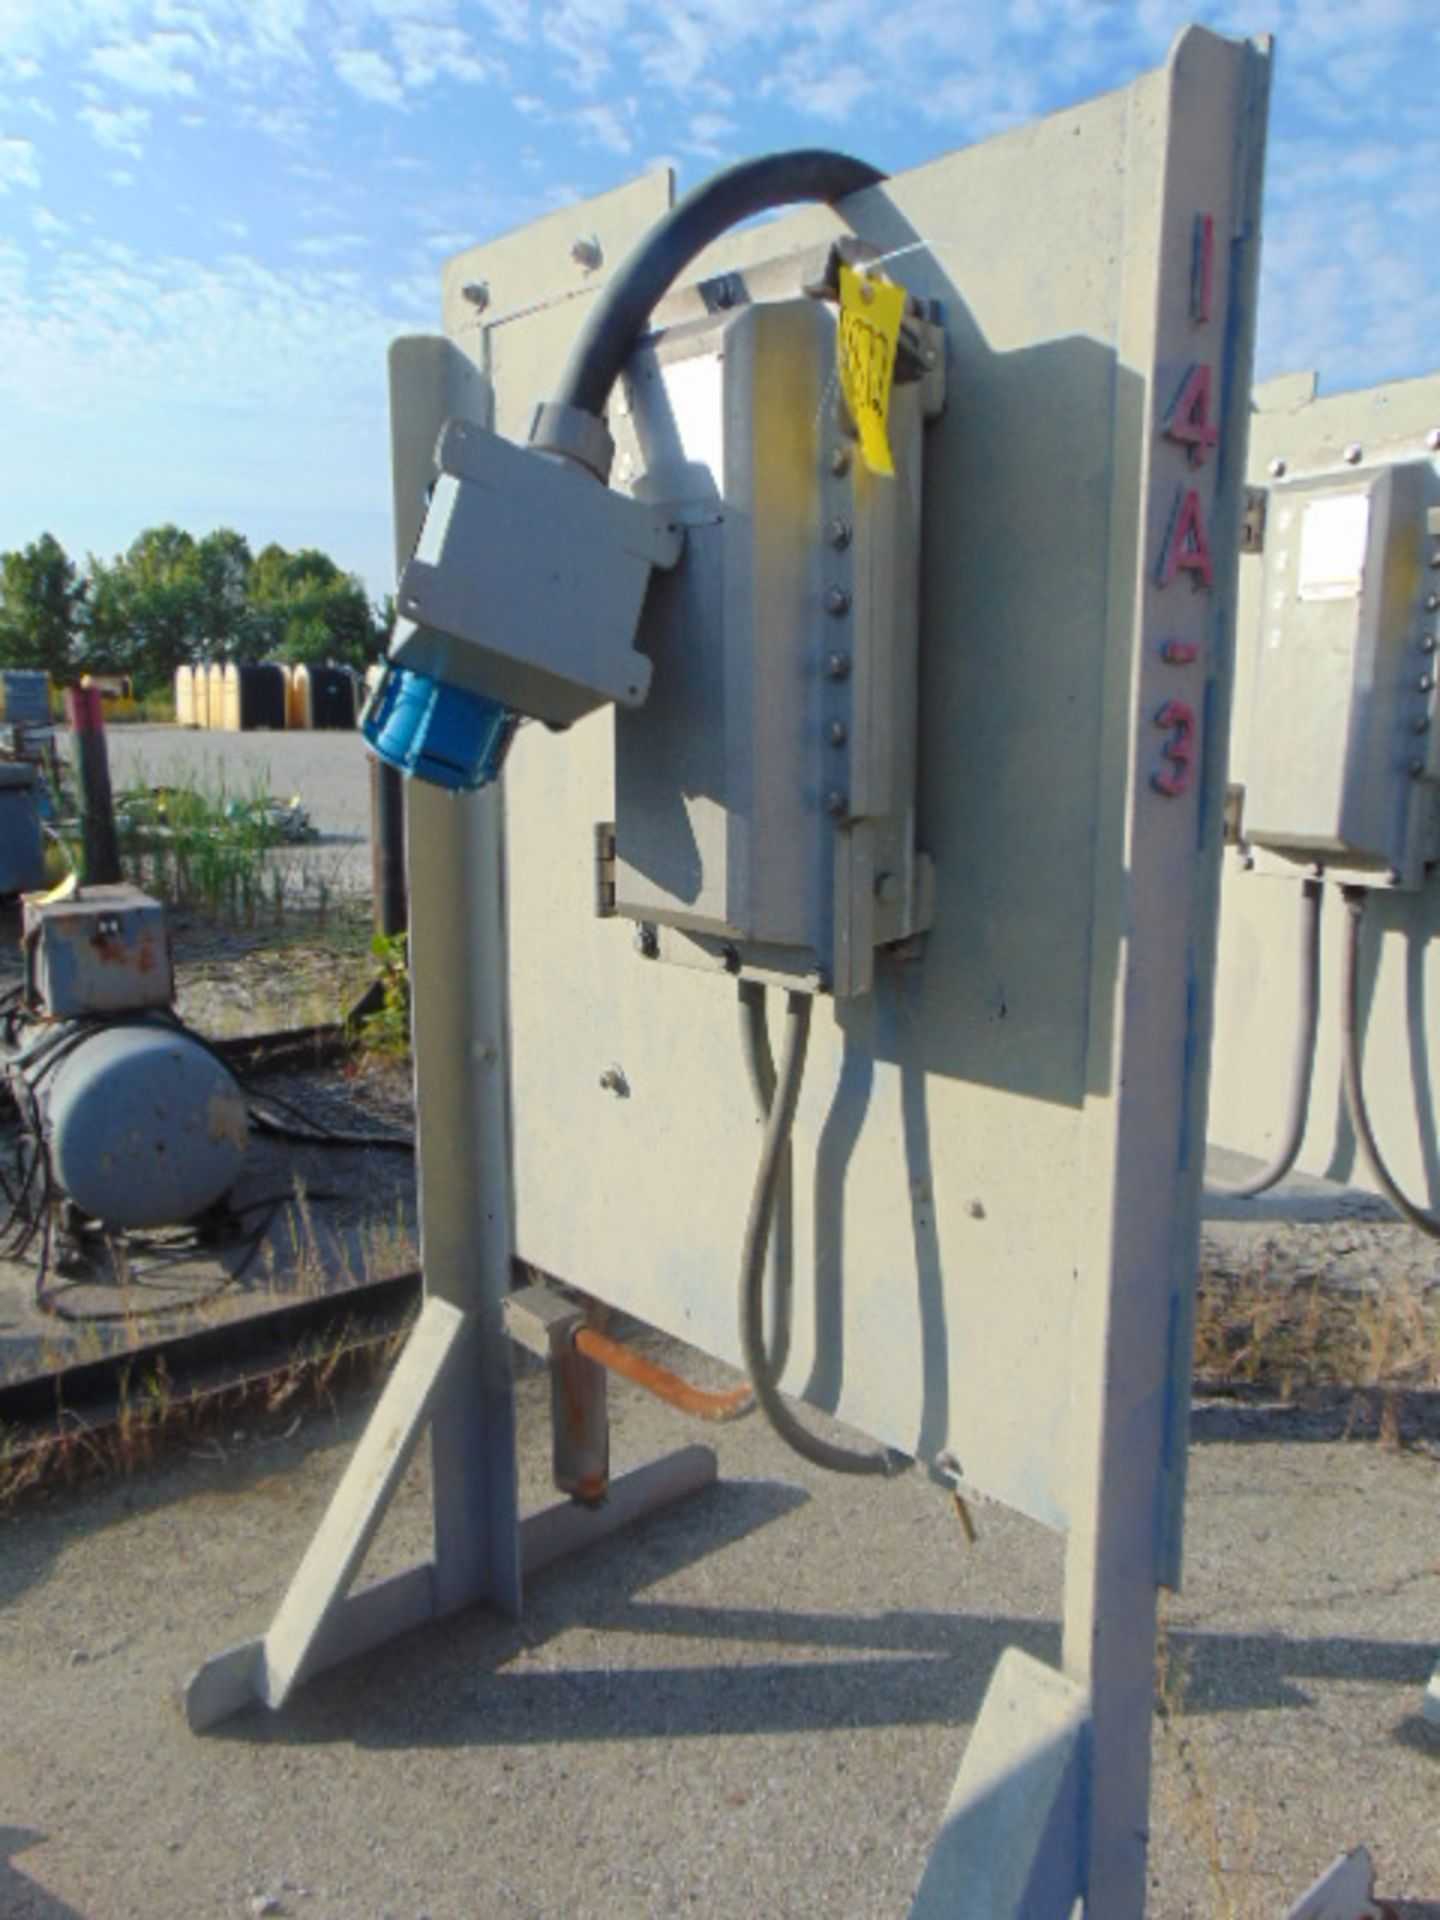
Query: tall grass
[(208, 847)]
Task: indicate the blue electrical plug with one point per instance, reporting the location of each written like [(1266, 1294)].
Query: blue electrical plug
[(445, 735)]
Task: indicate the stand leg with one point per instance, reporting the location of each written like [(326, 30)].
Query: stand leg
[(349, 1626), (1009, 1845)]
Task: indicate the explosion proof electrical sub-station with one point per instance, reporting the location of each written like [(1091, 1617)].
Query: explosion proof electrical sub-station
[(813, 662)]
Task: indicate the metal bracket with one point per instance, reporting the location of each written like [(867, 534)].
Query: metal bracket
[(1252, 527), (545, 1323), (604, 869)]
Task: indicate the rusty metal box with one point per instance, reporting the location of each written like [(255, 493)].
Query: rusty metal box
[(101, 951)]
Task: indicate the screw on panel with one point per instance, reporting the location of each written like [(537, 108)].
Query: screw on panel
[(587, 252), (477, 293), (1417, 767), (1421, 724), (837, 733), (837, 601), (647, 942), (613, 1080), (837, 666), (1427, 643), (840, 461), (839, 533), (836, 804), (1277, 467), (1353, 454), (1426, 683)]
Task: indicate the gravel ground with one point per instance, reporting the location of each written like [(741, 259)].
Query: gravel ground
[(751, 1706)]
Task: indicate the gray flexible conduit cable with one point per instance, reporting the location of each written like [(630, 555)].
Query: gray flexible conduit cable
[(1303, 1070), (622, 311), (760, 1062), (778, 1126), (1426, 1222)]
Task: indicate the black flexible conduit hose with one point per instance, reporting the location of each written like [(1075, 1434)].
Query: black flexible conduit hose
[(1303, 1068), (760, 1062), (820, 1453), (623, 310), (1419, 1217)]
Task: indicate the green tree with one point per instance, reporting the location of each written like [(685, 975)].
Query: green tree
[(224, 563), (41, 608), (305, 608), (148, 608)]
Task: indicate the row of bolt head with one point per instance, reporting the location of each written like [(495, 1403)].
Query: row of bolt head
[(1352, 453)]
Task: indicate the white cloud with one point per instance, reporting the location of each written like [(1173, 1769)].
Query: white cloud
[(371, 75), (47, 223), (18, 165), (155, 63), (607, 125), (118, 127)]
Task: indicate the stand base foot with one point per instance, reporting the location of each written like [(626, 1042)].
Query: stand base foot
[(377, 1613)]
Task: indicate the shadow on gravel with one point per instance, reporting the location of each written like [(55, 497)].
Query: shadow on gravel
[(480, 1681), (20, 1898)]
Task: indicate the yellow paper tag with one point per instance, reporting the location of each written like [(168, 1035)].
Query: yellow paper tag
[(68, 886), (870, 314)]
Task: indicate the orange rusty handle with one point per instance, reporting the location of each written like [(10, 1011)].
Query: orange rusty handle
[(667, 1386)]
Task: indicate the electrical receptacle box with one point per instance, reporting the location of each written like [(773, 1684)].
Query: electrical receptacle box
[(1344, 763), (103, 950), (765, 791)]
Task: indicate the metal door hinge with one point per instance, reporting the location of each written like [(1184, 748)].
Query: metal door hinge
[(604, 869)]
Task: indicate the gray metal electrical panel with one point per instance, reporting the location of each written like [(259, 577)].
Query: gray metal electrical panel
[(765, 792), (1344, 689)]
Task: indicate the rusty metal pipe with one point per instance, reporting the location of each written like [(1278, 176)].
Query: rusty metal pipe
[(658, 1380)]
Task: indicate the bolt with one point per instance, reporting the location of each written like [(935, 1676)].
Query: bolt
[(477, 292), (1427, 643), (837, 666), (1432, 603), (928, 357), (837, 601), (731, 957), (724, 294), (1426, 683), (1417, 767), (1277, 467), (840, 462), (836, 804), (837, 733), (839, 533), (587, 253), (647, 942), (887, 888), (613, 1080), (1353, 454), (1420, 724), (1432, 439)]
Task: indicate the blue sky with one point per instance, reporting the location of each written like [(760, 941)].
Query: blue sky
[(214, 215)]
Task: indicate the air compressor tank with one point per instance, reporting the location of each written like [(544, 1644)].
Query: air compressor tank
[(146, 1127)]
